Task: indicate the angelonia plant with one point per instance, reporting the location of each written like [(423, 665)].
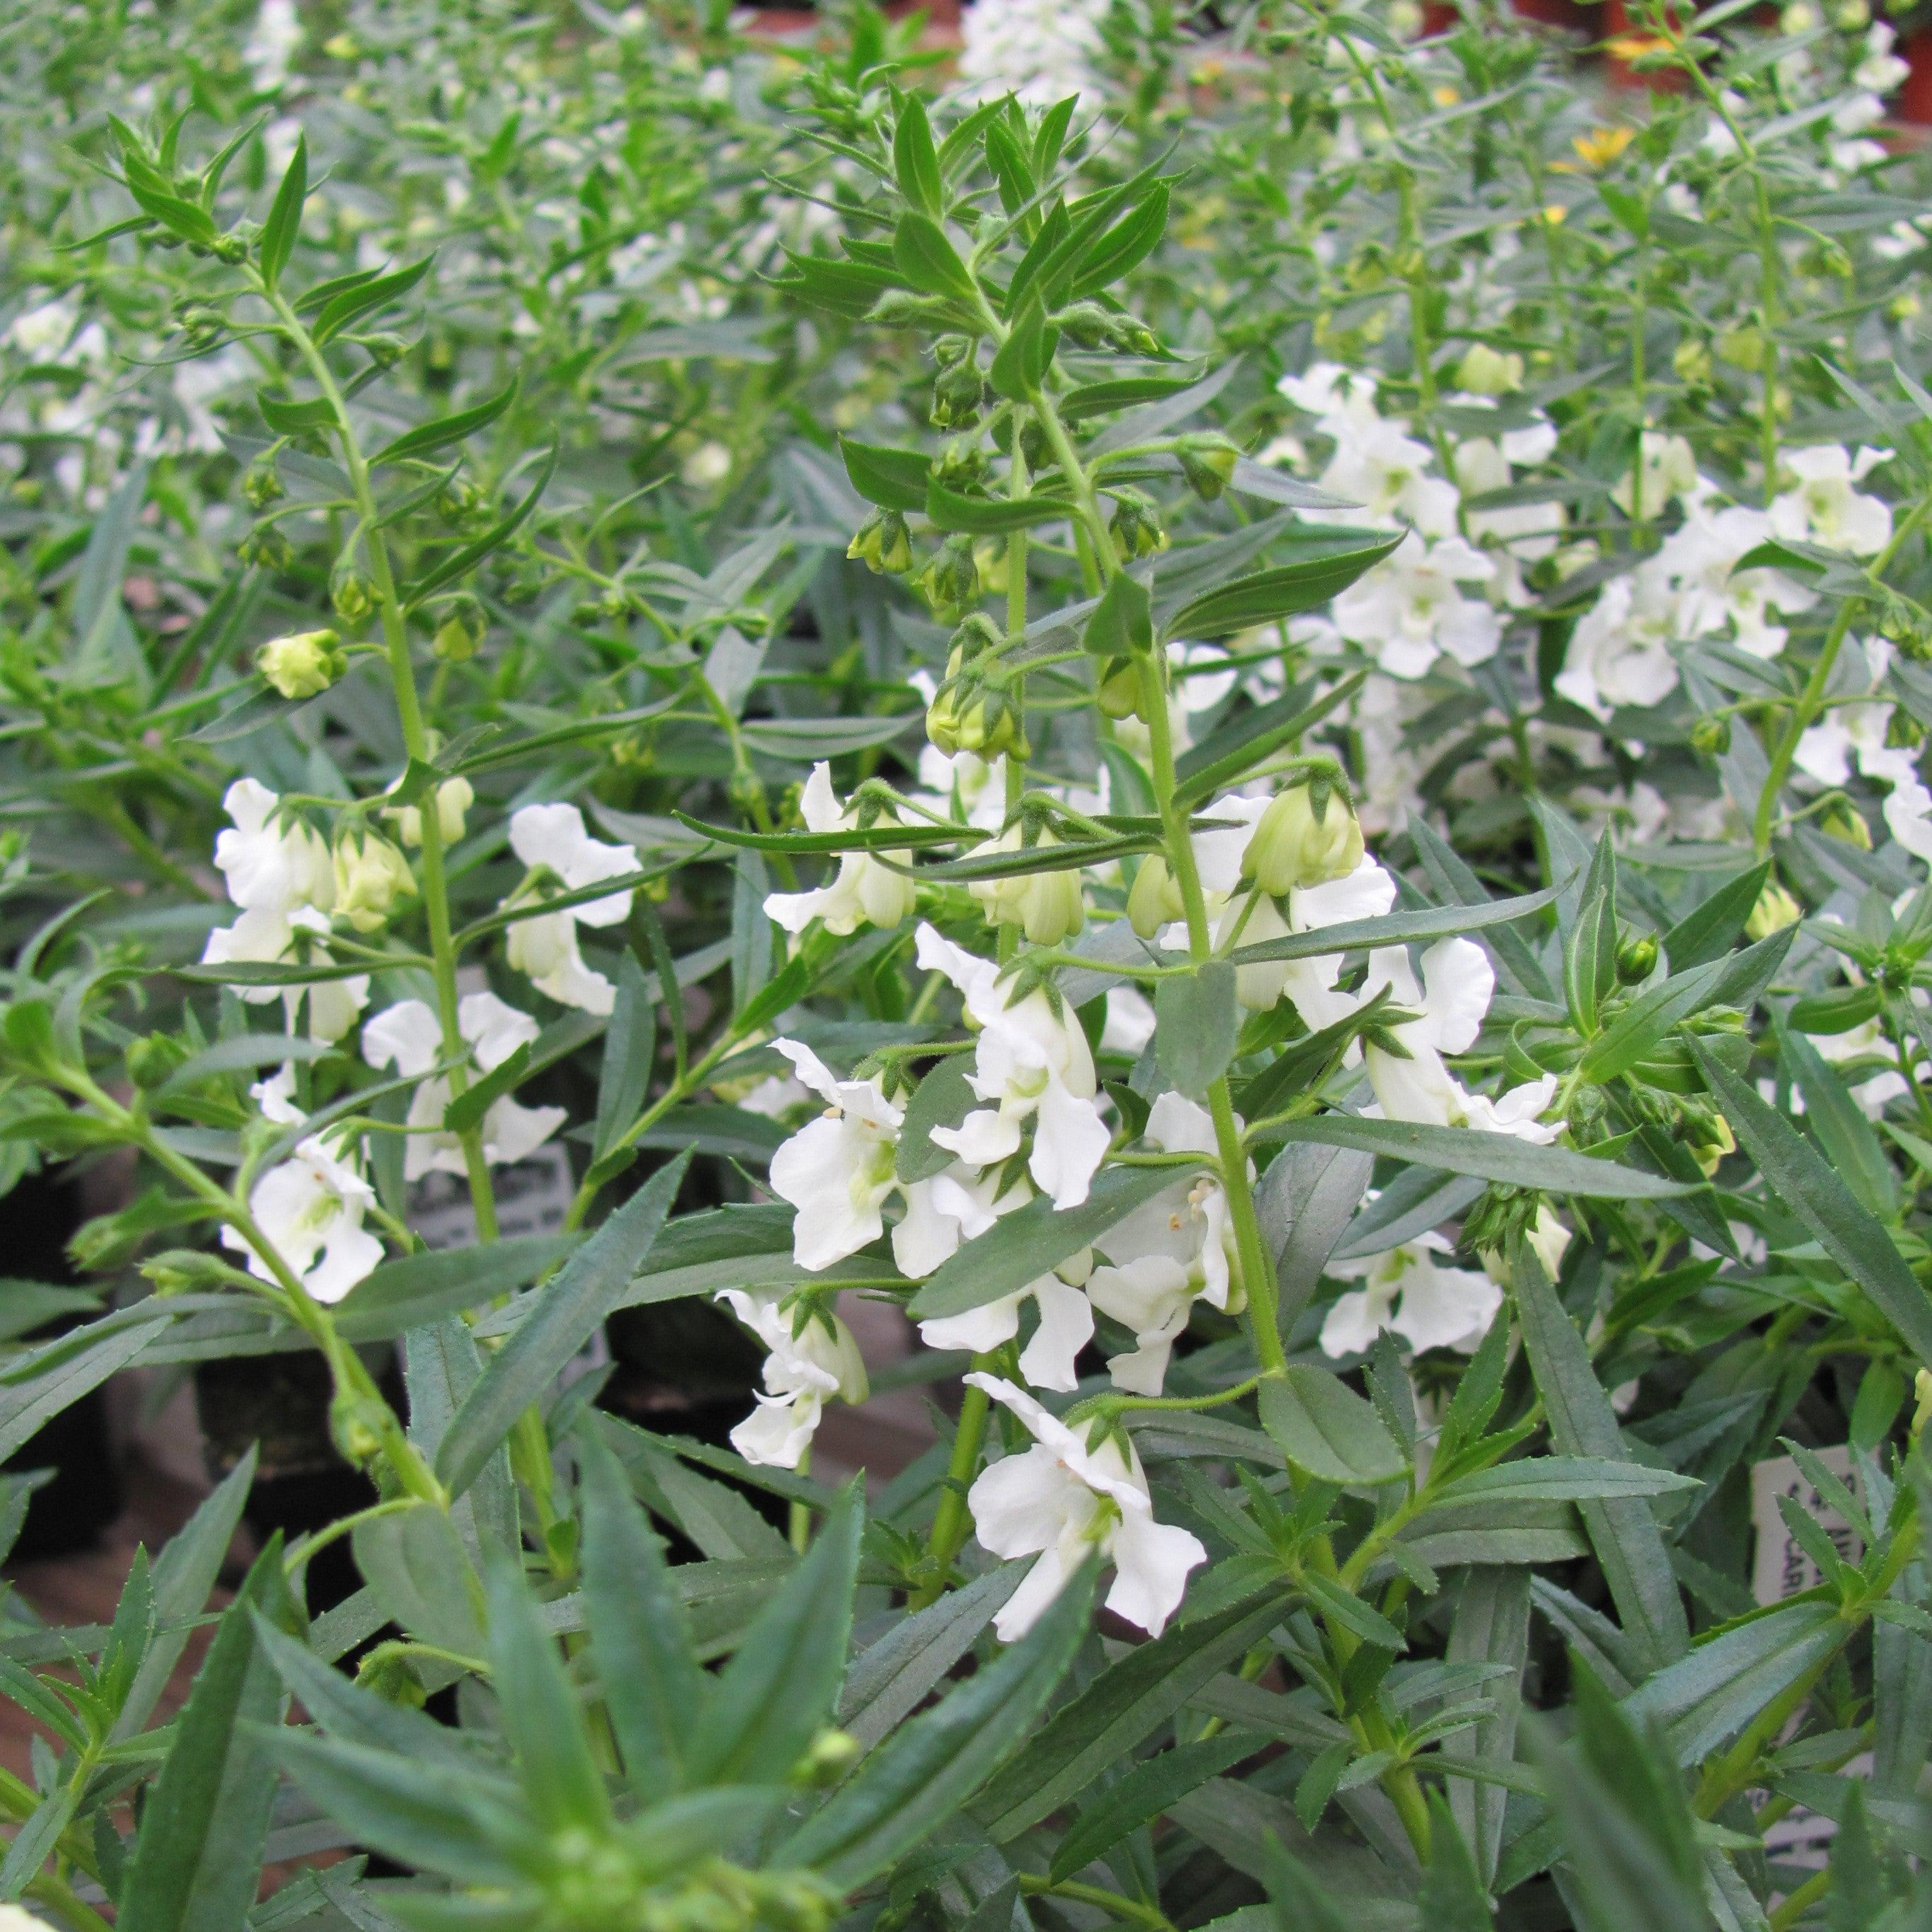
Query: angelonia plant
[(1218, 719)]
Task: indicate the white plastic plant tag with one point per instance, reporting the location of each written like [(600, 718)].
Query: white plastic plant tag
[(1782, 1568)]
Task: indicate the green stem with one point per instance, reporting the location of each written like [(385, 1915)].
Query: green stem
[(952, 1519)]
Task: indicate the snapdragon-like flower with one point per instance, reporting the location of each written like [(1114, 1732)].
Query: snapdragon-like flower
[(1060, 1499), (1170, 1253), (409, 1037), (552, 838), (1825, 508), (1366, 892), (1407, 1291), (864, 891), (282, 877), (1619, 655), (809, 1362), (309, 1208), (1410, 608), (1047, 907), (1064, 1327), (1033, 1065), (1448, 1005)]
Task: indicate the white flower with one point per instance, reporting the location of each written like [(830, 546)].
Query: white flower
[(282, 877), (1041, 50), (802, 1372), (1825, 508), (1407, 1291), (1065, 1327), (1366, 893), (544, 945), (1619, 654), (409, 1037), (1171, 1252), (1130, 1022), (1033, 1064), (1713, 595), (309, 1208), (1410, 608), (1666, 471), (1058, 1500), (864, 891), (837, 1171), (1376, 462), (1852, 732), (1881, 70), (1448, 1005)]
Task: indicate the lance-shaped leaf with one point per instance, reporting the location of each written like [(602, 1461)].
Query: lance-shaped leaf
[(1799, 1177), (1285, 590), (1323, 1427)]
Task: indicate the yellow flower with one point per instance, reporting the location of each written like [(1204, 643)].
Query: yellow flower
[(1602, 145), (1554, 215), (1445, 96), (1634, 47)]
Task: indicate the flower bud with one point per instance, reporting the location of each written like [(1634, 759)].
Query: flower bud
[(454, 798), (370, 875), (1136, 526), (352, 593), (958, 395), (1922, 1391), (261, 485), (1308, 834), (1712, 735), (1153, 900), (1743, 348), (303, 663), (266, 548), (1485, 371), (1691, 362), (1046, 906), (1775, 910), (951, 580), (1119, 693), (883, 544), (1636, 959), (460, 631), (1207, 461), (1710, 1141), (1849, 827), (152, 1060), (826, 1759)]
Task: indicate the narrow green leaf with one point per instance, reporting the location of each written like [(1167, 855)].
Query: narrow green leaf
[(284, 222), (928, 259), (1198, 1021), (1325, 1429), (1798, 1178), (895, 479), (425, 437), (339, 310), (572, 1307), (915, 161), (1283, 591)]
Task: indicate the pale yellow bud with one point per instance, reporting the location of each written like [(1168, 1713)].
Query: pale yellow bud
[(1153, 900), (1302, 839), (1048, 907), (1775, 910), (371, 876), (303, 663), (1485, 371)]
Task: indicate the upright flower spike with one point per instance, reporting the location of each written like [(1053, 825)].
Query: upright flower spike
[(864, 891), (409, 1037), (1033, 1065), (551, 839), (809, 1362), (1061, 1499)]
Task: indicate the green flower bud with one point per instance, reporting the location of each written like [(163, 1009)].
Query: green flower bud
[(1711, 736), (1119, 693), (153, 1060), (371, 876), (461, 630), (1136, 526), (958, 395), (351, 592), (1743, 348), (1485, 371), (951, 580), (883, 544), (1207, 461), (826, 1759), (266, 548), (355, 1431), (261, 485), (1636, 959), (1710, 1140), (1153, 900), (1308, 834), (1840, 822), (1691, 362), (454, 798), (303, 663), (1775, 910), (948, 350), (389, 1671)]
